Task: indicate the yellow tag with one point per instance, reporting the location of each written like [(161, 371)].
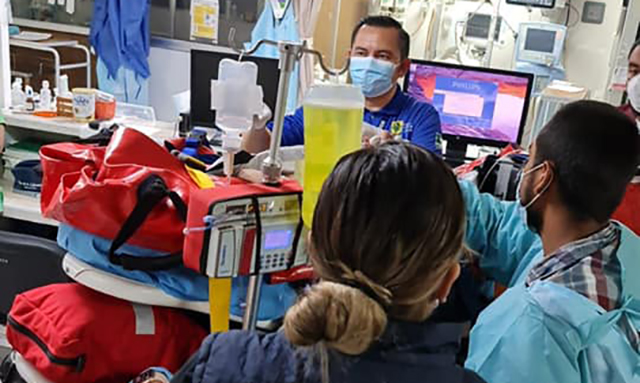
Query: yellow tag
[(219, 304), (201, 179)]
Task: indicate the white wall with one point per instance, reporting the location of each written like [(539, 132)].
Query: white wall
[(170, 74), (589, 50)]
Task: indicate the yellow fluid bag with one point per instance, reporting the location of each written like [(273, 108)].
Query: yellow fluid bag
[(333, 117)]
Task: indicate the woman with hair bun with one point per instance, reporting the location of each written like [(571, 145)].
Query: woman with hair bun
[(386, 241)]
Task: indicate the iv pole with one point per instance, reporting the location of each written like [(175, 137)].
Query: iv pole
[(290, 54)]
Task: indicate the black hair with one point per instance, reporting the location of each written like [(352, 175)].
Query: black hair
[(404, 40), (634, 47), (595, 151)]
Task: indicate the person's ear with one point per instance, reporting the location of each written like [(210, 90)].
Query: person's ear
[(404, 67), (545, 178), (447, 282)]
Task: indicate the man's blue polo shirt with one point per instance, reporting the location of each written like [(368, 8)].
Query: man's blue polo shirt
[(413, 120)]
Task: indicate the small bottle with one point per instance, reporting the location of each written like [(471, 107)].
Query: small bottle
[(45, 96), (30, 104), (17, 94), (64, 87)]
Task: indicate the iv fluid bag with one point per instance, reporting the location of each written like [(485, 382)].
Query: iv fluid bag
[(235, 96), (333, 117)]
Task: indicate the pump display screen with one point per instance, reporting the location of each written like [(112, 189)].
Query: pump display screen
[(474, 103), (540, 40), (277, 239)]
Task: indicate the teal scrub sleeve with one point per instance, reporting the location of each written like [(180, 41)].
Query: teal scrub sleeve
[(497, 233), (525, 352)]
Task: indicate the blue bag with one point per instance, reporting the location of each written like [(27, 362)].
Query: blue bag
[(179, 282)]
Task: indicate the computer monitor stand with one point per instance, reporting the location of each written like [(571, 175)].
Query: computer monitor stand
[(456, 152)]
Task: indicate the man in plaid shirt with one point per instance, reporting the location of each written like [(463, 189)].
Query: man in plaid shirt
[(571, 313)]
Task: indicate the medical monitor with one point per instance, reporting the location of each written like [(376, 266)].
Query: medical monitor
[(541, 43), (476, 105), (478, 27), (204, 68), (534, 3)]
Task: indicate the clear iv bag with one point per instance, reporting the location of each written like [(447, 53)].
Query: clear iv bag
[(235, 96)]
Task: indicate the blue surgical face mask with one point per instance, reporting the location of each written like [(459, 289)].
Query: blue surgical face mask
[(374, 76), (523, 209)]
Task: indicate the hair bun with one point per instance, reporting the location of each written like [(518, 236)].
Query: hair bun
[(341, 316)]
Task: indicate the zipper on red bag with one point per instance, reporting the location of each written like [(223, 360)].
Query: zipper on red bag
[(76, 363)]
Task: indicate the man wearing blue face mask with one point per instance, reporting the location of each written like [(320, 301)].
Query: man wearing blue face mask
[(379, 58), (571, 313)]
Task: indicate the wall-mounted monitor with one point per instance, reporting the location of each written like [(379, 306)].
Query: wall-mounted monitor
[(534, 3)]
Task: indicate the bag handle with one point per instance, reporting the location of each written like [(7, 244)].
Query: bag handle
[(152, 191)]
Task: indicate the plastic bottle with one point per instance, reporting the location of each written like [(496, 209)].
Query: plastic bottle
[(45, 96), (333, 117), (64, 87), (30, 103), (236, 98), (17, 94)]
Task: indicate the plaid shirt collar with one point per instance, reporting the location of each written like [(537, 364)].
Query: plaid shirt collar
[(589, 267)]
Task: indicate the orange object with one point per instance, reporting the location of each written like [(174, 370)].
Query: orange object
[(105, 110), (46, 114)]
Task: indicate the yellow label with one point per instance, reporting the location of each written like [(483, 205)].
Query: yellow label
[(219, 304), (200, 178)]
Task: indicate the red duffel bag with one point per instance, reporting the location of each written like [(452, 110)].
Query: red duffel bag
[(133, 182), (72, 334)]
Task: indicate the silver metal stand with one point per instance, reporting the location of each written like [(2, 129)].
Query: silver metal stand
[(290, 54), (250, 318), (50, 47)]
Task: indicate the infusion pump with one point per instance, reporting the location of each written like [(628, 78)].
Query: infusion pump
[(255, 235)]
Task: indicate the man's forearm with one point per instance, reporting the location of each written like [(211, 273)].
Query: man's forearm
[(256, 140)]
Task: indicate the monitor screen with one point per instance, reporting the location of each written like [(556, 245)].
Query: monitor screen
[(534, 3), (477, 104), (479, 27), (540, 40), (204, 68)]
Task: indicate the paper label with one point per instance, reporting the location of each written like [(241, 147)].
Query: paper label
[(204, 19)]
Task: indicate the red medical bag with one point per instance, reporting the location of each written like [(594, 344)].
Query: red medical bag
[(96, 189), (72, 334)]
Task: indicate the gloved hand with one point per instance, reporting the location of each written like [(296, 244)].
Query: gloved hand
[(260, 120)]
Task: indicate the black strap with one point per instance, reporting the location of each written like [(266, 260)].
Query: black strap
[(256, 212), (102, 138), (298, 235), (151, 192)]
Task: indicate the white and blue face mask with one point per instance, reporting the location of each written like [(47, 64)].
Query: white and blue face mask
[(373, 76), (524, 207)]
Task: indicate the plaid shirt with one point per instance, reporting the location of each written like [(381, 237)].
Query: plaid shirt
[(589, 267)]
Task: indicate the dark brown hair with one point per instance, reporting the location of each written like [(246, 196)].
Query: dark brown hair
[(388, 225)]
